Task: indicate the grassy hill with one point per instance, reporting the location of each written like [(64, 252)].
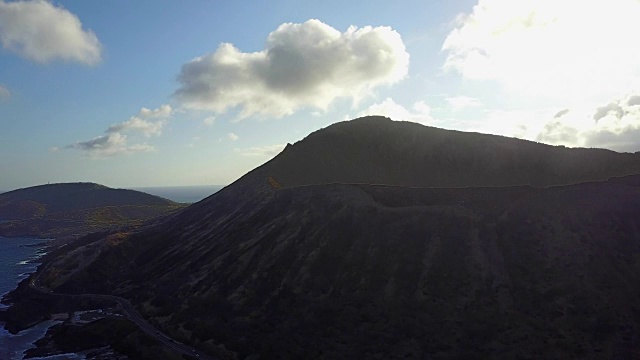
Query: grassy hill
[(75, 209)]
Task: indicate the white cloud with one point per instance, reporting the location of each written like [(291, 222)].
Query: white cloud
[(568, 49), (625, 141), (561, 113), (43, 32), (420, 111), (149, 128), (161, 112), (615, 125), (142, 121), (523, 124), (555, 132), (233, 137), (463, 102), (261, 151), (303, 65), (633, 100), (108, 145), (5, 94), (209, 120), (147, 122), (613, 108), (619, 128)]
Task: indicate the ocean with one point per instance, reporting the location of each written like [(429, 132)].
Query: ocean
[(182, 194), (16, 262)]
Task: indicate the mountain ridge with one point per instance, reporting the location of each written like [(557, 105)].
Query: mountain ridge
[(297, 259), (382, 151)]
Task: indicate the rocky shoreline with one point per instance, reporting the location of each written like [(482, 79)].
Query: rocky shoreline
[(106, 338), (90, 327), (93, 328)]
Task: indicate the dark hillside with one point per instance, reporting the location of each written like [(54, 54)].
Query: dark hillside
[(350, 271), (462, 250), (376, 150)]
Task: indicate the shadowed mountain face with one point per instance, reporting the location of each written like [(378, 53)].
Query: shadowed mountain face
[(375, 150), (357, 271), (75, 209)]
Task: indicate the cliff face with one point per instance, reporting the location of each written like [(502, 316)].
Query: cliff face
[(288, 262)]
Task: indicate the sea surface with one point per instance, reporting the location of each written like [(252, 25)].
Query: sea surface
[(16, 262), (182, 194)]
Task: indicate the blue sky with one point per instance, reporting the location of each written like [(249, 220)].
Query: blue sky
[(146, 93)]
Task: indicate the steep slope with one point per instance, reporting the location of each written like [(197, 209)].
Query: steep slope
[(297, 260), (346, 271), (376, 150), (75, 209)]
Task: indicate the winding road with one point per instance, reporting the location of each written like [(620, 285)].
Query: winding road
[(132, 314)]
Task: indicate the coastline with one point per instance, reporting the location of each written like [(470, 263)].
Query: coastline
[(37, 325), (21, 257), (15, 346)]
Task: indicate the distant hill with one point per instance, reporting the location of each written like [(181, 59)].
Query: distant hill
[(74, 209), (43, 199), (381, 239)]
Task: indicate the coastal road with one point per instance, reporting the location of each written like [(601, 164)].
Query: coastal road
[(132, 314)]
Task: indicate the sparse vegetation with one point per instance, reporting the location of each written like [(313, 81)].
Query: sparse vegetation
[(73, 210), (329, 266)]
